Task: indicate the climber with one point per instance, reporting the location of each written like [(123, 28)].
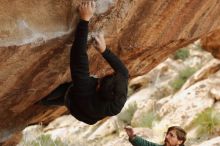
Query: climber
[(91, 99), (175, 136)]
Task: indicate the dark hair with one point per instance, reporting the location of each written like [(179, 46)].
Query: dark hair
[(113, 86), (180, 132)]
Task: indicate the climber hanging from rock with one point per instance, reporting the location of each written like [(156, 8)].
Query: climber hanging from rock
[(91, 99)]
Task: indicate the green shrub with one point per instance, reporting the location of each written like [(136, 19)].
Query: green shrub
[(198, 47), (147, 120), (162, 92), (127, 114), (43, 140), (208, 122), (182, 54), (183, 76)]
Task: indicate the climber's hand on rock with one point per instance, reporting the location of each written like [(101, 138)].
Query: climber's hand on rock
[(86, 10), (99, 42)]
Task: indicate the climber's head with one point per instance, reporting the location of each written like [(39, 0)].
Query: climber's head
[(175, 136)]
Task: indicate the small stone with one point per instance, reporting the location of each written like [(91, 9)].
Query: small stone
[(215, 93)]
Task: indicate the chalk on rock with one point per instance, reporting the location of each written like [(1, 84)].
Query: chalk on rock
[(103, 5)]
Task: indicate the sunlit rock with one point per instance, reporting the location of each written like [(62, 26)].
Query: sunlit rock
[(211, 67), (215, 93), (185, 105), (212, 142), (217, 106)]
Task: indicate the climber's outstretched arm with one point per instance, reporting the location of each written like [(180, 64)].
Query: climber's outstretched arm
[(78, 57), (112, 59)]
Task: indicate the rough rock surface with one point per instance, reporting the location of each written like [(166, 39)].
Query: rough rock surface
[(212, 142), (36, 37), (186, 104)]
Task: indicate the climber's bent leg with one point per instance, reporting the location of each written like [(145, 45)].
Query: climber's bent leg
[(57, 96)]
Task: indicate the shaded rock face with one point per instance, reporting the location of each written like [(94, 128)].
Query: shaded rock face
[(211, 43), (36, 38)]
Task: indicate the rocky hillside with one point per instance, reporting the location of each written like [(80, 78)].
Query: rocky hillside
[(36, 36), (184, 90)]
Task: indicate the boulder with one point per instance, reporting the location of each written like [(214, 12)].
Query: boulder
[(36, 36), (184, 106)]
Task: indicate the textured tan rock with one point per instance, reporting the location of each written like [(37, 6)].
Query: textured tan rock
[(34, 45), (212, 142), (185, 105), (215, 93), (210, 68), (217, 106)]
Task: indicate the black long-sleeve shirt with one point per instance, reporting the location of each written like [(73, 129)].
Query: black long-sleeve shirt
[(82, 98)]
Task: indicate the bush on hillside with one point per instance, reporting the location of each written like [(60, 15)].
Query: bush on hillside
[(146, 120), (43, 140), (127, 114), (182, 54), (183, 76), (208, 122)]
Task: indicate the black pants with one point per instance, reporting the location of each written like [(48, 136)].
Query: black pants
[(57, 96)]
